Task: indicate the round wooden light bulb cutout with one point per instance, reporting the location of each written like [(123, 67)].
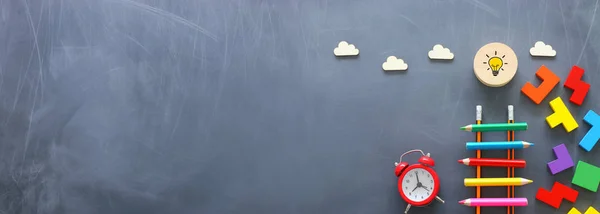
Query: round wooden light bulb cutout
[(495, 64)]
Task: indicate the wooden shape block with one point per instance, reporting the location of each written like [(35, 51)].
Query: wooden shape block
[(394, 64), (574, 211), (549, 80), (590, 210), (440, 52), (563, 159), (586, 176), (345, 49), (555, 196), (542, 49), (579, 87), (593, 135), (495, 64), (561, 115)]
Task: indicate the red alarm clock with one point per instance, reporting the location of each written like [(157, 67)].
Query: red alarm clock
[(418, 184)]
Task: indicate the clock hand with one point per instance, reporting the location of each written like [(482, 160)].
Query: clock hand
[(415, 188), (417, 174)]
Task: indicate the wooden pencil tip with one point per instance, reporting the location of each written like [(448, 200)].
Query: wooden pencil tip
[(460, 161), (461, 202), (463, 128)]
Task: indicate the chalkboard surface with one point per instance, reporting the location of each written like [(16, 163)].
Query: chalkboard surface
[(233, 106)]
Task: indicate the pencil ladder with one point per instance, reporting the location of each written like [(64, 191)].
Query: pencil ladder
[(510, 163)]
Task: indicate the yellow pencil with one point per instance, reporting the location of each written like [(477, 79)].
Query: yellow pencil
[(482, 182)]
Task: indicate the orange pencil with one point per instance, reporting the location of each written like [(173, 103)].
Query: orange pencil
[(511, 156), (478, 118)]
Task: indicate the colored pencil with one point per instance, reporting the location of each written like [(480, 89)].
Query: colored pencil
[(494, 127), (498, 145), (488, 182), (493, 162), (494, 202), (478, 120), (510, 190)]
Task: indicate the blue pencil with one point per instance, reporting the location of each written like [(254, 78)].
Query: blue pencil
[(500, 145)]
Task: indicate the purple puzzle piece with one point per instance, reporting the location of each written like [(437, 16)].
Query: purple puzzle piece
[(563, 159)]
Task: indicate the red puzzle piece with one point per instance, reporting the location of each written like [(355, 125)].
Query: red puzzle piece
[(556, 195), (579, 87), (549, 80)]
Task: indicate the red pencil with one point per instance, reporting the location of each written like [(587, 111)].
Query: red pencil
[(493, 162)]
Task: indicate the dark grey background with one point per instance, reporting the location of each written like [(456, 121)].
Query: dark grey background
[(232, 106)]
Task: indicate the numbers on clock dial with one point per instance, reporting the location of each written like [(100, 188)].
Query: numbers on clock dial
[(417, 184)]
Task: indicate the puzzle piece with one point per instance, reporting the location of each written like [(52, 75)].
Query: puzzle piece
[(579, 87), (590, 210), (561, 115), (574, 211), (587, 176), (593, 135), (549, 80), (563, 159), (556, 195)]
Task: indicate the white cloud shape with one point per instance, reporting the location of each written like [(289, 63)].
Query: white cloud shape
[(345, 49), (439, 52), (394, 64), (541, 49)]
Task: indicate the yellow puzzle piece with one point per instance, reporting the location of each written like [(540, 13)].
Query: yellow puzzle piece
[(561, 115), (590, 210)]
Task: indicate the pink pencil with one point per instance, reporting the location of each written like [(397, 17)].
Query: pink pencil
[(494, 202)]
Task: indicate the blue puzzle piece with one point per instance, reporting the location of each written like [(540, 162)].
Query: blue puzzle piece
[(593, 135)]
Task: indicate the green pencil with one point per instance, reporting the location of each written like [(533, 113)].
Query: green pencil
[(495, 127)]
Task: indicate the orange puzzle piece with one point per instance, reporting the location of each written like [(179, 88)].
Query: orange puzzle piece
[(549, 80)]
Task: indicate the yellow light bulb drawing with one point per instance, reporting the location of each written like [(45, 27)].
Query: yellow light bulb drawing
[(495, 63)]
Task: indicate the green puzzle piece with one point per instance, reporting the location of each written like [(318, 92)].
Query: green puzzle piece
[(587, 176)]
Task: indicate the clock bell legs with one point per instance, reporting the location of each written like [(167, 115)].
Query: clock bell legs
[(436, 197), (439, 199)]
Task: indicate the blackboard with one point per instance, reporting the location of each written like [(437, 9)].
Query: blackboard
[(232, 106)]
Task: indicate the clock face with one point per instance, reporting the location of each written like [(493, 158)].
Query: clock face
[(418, 185)]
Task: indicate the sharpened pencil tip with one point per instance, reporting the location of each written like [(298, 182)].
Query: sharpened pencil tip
[(460, 161), (463, 128), (527, 181), (461, 202)]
